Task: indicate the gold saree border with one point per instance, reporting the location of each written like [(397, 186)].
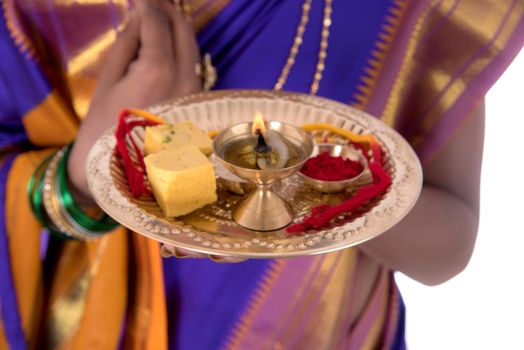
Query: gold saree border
[(68, 3), (140, 305), (202, 19), (146, 326), (321, 278), (332, 309), (106, 297), (3, 341), (320, 295), (67, 297), (501, 27), (81, 293), (446, 83), (80, 71), (392, 104), (21, 40), (191, 6), (92, 53), (392, 317), (299, 295), (259, 296), (374, 336), (375, 63)]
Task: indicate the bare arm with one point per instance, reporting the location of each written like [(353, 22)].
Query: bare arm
[(435, 240)]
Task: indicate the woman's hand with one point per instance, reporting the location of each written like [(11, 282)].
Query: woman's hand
[(168, 251), (153, 59)]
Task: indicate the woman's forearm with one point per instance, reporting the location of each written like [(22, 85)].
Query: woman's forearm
[(433, 242)]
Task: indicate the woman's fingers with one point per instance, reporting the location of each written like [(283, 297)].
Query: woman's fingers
[(168, 251), (181, 253), (160, 41), (124, 51), (225, 259), (187, 53), (155, 32), (185, 48)]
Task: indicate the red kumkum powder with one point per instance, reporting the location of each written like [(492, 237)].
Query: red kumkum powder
[(322, 215), (328, 168)]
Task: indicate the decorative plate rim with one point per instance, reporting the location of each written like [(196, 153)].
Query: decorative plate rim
[(401, 198)]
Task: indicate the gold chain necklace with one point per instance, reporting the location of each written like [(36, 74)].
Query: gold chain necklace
[(306, 6), (322, 53)]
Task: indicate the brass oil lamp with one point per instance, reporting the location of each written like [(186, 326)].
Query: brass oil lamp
[(263, 155)]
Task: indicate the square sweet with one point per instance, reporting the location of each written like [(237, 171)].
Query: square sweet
[(171, 136), (183, 179)]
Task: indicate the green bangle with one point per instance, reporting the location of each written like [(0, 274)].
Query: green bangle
[(103, 225), (51, 203), (34, 192)]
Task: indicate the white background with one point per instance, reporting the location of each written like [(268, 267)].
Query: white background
[(483, 307)]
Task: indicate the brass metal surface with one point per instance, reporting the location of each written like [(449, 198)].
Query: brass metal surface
[(263, 209), (212, 229)]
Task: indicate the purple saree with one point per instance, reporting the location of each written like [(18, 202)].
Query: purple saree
[(393, 58), (282, 304)]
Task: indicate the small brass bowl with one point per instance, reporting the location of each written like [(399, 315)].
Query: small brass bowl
[(345, 152)]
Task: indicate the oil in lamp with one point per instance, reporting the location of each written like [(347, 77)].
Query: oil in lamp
[(263, 155)]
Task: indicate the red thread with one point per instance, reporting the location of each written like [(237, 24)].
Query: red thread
[(135, 173), (322, 215)]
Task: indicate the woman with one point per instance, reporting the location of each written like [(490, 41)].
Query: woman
[(422, 66)]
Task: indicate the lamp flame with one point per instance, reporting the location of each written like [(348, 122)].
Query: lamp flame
[(258, 124)]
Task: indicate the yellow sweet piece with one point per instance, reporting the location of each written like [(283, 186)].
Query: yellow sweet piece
[(183, 179), (171, 136)]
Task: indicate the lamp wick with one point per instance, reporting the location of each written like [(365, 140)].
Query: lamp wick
[(262, 146)]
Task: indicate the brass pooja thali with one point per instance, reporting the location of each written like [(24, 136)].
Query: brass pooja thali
[(212, 229)]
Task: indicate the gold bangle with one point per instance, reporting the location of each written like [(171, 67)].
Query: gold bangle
[(56, 213)]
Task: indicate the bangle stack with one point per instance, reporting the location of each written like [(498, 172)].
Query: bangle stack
[(53, 205)]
